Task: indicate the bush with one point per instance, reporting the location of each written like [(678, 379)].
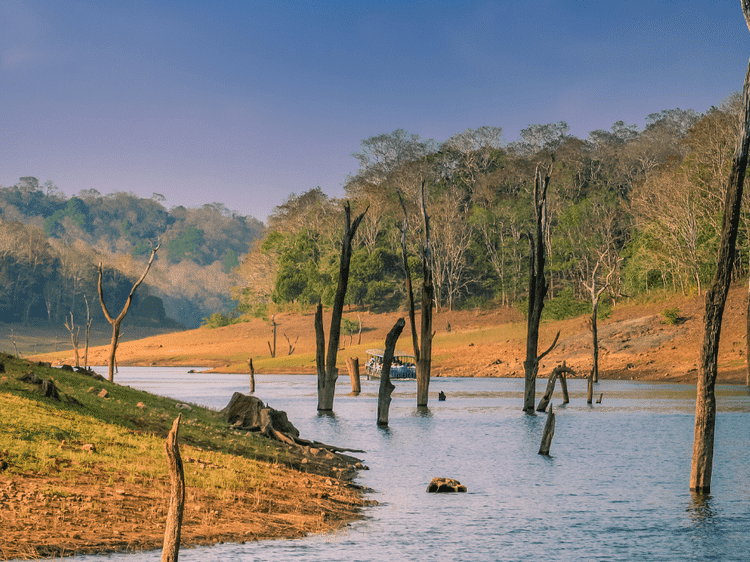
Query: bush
[(671, 316), (218, 320)]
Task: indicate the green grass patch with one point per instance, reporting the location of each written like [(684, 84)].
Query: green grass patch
[(43, 436)]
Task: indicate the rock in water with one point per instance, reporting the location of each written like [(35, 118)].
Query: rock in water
[(445, 485)]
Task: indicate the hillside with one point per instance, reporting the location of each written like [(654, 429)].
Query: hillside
[(635, 343)]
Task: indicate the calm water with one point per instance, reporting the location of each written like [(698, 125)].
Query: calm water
[(615, 487)]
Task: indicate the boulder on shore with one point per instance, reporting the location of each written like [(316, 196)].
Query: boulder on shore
[(249, 412), (445, 485)]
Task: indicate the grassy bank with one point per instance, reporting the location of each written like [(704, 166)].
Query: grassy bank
[(87, 472)]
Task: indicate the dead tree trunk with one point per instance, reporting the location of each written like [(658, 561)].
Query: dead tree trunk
[(87, 333), (171, 548), (422, 345), (352, 364), (549, 432), (74, 336), (386, 386), (558, 372), (537, 289), (747, 336), (327, 371), (116, 322), (273, 349), (705, 403), (252, 375)]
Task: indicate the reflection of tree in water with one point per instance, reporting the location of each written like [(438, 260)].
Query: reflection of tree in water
[(701, 510)]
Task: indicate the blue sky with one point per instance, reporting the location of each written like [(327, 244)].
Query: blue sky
[(246, 102)]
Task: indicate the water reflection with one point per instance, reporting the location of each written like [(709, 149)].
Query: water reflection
[(701, 510)]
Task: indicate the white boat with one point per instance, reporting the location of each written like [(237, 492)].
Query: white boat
[(403, 366)]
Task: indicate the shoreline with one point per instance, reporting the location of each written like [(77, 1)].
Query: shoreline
[(87, 473)]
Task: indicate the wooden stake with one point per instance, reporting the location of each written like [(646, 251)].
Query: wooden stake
[(171, 547)]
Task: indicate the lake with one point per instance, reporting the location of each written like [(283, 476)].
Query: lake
[(614, 488)]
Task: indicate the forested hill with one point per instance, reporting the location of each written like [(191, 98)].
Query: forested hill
[(634, 212), (50, 246)]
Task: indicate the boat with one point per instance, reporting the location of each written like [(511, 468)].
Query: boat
[(403, 366)]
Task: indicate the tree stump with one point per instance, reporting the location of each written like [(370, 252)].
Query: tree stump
[(352, 363), (386, 386)]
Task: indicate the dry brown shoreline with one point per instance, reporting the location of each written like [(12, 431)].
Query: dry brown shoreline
[(50, 517), (636, 343)]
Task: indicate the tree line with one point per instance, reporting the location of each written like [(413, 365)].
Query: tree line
[(50, 246), (636, 210)]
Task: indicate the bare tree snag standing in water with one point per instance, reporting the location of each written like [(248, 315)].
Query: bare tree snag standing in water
[(171, 548), (557, 372), (537, 290), (386, 386), (326, 365), (423, 352), (705, 403), (116, 322)]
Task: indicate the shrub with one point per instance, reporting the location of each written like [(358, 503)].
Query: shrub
[(217, 320), (671, 315)]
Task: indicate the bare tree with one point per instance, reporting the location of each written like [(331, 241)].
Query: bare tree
[(273, 349), (423, 351), (537, 290), (75, 332), (87, 334), (326, 365), (716, 296), (116, 322)]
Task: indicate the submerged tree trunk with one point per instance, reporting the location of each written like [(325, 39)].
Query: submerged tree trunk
[(171, 548), (705, 403), (537, 289), (549, 432), (558, 372), (116, 322), (327, 371), (386, 386)]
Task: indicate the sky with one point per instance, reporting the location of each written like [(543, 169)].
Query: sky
[(247, 102)]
